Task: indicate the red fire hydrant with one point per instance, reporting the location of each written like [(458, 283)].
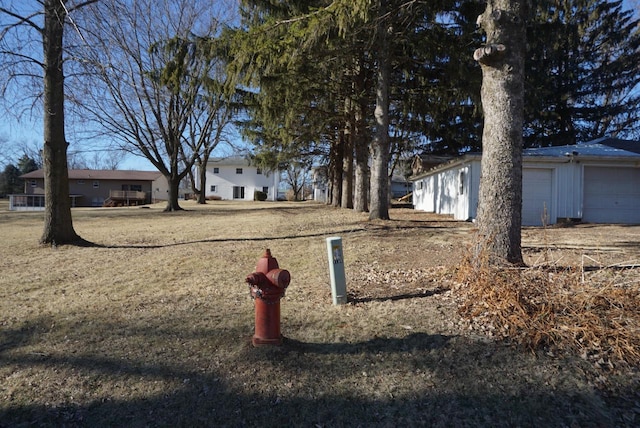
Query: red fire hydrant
[(267, 285)]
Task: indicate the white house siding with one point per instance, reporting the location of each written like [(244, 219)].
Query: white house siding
[(451, 191), (592, 182), (227, 178), (424, 192), (537, 196), (611, 194), (447, 199)]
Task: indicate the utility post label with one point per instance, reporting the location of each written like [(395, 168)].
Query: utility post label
[(337, 254), (335, 260)]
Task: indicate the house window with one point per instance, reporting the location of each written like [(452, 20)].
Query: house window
[(419, 185), (265, 190), (136, 187), (213, 188), (238, 192), (80, 181), (238, 170), (33, 183), (96, 184), (259, 171), (461, 183), (216, 170)]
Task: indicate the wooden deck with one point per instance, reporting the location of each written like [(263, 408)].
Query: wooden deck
[(119, 198)]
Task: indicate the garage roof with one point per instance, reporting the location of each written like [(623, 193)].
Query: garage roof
[(602, 147)]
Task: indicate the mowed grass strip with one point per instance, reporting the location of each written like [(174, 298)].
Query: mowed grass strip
[(152, 326)]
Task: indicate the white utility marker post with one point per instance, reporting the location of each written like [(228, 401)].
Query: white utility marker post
[(336, 271)]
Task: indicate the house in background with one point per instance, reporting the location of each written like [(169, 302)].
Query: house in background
[(235, 178), (320, 183), (596, 182), (399, 185), (96, 188)]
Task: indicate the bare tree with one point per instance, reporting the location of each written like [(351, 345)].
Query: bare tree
[(502, 63), (46, 28), (208, 128), (153, 73), (295, 174), (5, 156)]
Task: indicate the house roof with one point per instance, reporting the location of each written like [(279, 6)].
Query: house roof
[(230, 160), (606, 148), (95, 174)]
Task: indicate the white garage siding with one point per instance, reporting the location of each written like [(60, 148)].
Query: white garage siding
[(537, 196), (611, 195)]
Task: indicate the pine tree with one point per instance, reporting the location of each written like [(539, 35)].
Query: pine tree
[(582, 66)]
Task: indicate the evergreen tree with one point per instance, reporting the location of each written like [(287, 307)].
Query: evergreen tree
[(27, 164), (582, 67), (10, 181)]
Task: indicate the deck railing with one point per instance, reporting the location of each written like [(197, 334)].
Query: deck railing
[(122, 195)]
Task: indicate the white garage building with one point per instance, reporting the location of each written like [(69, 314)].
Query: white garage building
[(597, 182)]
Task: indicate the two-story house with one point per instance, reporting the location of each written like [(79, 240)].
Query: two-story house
[(234, 178)]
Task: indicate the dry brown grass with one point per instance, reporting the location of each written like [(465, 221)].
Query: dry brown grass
[(596, 316), (152, 327)]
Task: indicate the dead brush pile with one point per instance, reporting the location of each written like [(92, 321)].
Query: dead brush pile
[(595, 316)]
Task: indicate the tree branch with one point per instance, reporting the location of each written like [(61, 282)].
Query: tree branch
[(489, 53), (21, 20)]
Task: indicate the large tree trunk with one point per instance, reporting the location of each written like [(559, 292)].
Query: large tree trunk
[(361, 199), (202, 170), (502, 62), (347, 168), (335, 164), (173, 181), (361, 147), (58, 226), (380, 147)]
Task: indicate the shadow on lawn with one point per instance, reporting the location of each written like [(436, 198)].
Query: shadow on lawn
[(354, 299), (349, 231), (322, 384)]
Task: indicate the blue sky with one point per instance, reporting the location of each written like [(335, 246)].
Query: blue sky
[(28, 131)]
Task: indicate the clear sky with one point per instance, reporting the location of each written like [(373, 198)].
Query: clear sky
[(15, 133)]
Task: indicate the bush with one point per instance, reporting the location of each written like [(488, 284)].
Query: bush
[(259, 196)]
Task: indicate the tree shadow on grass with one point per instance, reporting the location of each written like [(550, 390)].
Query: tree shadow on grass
[(350, 231), (354, 299), (416, 380)]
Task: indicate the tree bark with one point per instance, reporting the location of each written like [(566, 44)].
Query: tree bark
[(173, 181), (347, 168), (202, 195), (502, 63), (335, 164), (361, 145), (58, 225), (361, 199), (380, 147)]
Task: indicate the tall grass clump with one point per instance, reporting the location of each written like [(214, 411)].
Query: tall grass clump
[(595, 315)]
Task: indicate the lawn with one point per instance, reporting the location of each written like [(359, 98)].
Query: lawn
[(152, 325)]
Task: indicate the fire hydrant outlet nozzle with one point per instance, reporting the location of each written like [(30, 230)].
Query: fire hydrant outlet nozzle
[(267, 286)]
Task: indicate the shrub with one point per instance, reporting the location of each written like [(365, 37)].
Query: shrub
[(259, 196)]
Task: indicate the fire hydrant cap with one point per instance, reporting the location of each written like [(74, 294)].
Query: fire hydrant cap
[(267, 263), (279, 277)]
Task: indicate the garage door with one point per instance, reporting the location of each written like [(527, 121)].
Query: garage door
[(611, 195), (536, 196)]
